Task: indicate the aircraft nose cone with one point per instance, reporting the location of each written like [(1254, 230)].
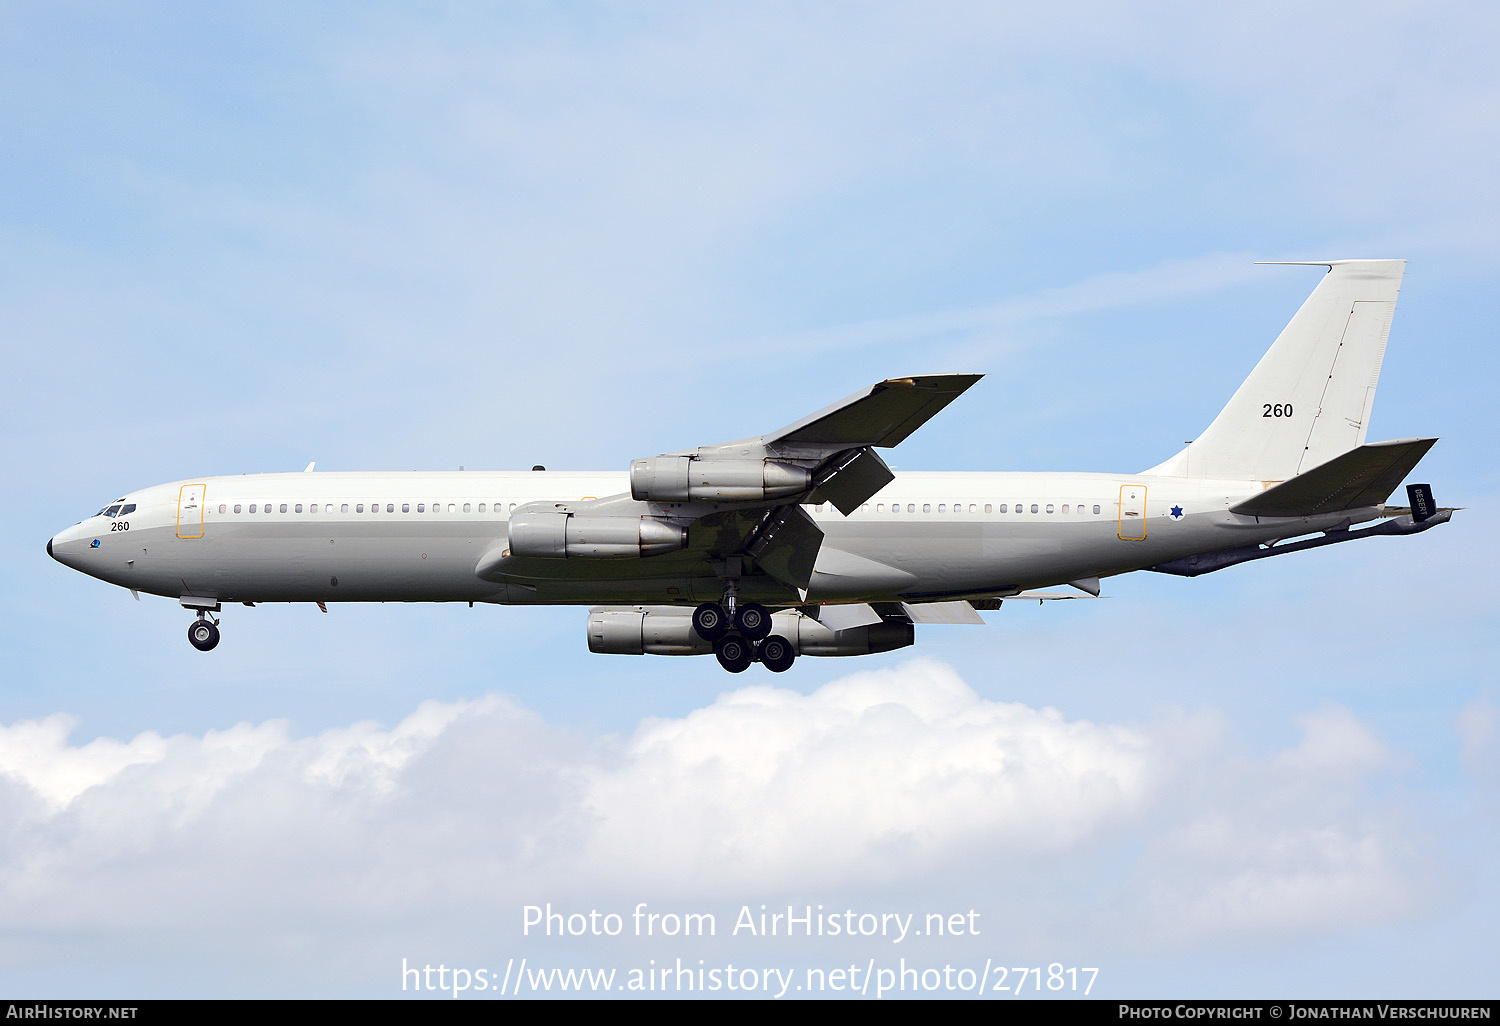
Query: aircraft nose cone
[(49, 548)]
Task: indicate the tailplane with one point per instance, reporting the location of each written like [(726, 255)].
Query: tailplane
[(1309, 398)]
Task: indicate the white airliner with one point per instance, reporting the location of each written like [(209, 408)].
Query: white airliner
[(801, 541)]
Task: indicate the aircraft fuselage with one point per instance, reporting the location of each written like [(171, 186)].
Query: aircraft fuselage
[(417, 537)]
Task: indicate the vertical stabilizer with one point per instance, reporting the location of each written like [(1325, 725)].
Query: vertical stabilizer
[(1309, 398)]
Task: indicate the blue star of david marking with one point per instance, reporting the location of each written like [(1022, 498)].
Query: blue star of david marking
[(1176, 512)]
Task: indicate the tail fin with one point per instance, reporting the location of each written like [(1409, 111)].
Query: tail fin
[(1309, 398)]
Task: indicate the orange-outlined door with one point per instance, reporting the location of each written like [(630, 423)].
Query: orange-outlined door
[(190, 511), (1132, 512)]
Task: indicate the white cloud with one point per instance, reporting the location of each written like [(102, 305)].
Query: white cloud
[(898, 780), (874, 777)]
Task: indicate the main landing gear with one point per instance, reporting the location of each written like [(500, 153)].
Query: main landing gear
[(741, 635), (203, 633)]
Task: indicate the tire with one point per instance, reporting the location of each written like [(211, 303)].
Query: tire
[(710, 621), (203, 635), (753, 620), (777, 654), (734, 653)]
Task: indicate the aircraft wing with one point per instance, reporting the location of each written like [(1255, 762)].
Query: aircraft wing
[(706, 511), (882, 415)]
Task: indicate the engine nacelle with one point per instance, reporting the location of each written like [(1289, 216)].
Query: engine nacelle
[(813, 639), (621, 631), (668, 630), (558, 535), (684, 479)]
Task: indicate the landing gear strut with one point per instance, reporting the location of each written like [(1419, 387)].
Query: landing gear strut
[(203, 633), (741, 634)]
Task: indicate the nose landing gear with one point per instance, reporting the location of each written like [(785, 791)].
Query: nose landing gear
[(203, 633)]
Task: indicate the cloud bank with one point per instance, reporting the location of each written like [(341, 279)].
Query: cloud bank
[(249, 844)]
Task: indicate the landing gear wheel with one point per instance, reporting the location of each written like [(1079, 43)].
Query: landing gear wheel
[(734, 653), (777, 654), (710, 621), (753, 620), (203, 635)]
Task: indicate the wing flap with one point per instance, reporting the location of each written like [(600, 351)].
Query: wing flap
[(957, 611), (851, 477), (786, 546)]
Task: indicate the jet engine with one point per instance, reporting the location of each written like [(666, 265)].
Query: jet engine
[(668, 630), (560, 535), (684, 479)]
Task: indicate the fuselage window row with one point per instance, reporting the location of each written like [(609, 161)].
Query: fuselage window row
[(119, 510), (312, 508), (1079, 509)]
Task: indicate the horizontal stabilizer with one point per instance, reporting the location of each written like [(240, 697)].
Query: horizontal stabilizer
[(1361, 477)]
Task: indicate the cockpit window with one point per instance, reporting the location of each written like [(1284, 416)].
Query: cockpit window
[(127, 509), (113, 509)]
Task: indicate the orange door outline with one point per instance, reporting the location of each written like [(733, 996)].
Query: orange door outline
[(190, 502), (1132, 512)]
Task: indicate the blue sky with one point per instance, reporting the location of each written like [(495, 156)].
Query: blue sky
[(402, 237)]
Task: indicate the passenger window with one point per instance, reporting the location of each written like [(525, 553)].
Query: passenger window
[(1004, 507), (911, 507), (1034, 508), (926, 507), (283, 507), (988, 508), (880, 507), (466, 507), (942, 507), (481, 507), (237, 508), (342, 509), (421, 507), (252, 507), (406, 507), (973, 508), (1096, 509), (1050, 508), (299, 508), (390, 507), (1065, 507), (313, 508), (512, 507)]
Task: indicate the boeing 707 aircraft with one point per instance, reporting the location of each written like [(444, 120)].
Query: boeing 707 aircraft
[(801, 541)]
